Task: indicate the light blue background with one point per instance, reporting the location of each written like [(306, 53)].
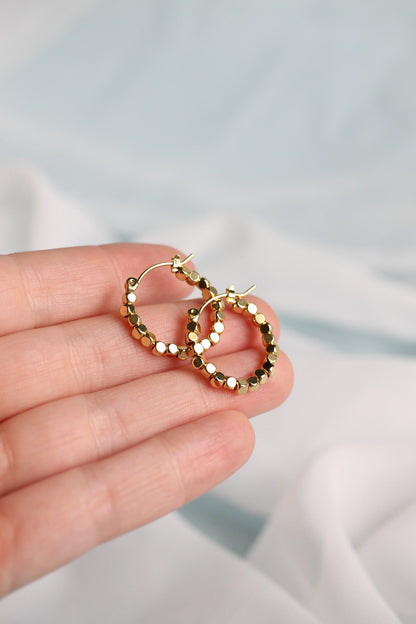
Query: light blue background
[(301, 111)]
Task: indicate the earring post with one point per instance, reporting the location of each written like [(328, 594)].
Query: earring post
[(225, 296)]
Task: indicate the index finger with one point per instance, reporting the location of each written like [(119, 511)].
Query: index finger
[(42, 288)]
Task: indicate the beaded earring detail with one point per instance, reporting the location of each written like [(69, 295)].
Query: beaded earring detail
[(260, 375), (147, 338)]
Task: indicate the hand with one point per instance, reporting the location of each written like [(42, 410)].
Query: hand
[(97, 435)]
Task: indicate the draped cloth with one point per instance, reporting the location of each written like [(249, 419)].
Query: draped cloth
[(276, 140)]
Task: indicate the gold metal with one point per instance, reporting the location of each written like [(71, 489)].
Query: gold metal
[(196, 346), (198, 362), (134, 319), (148, 339), (173, 348), (268, 339), (261, 375), (192, 337), (272, 348), (160, 348), (126, 310), (210, 369), (194, 278), (239, 304), (231, 383), (259, 318), (218, 327), (139, 331), (218, 379), (272, 358), (230, 296), (182, 353), (131, 283), (205, 343), (242, 386)]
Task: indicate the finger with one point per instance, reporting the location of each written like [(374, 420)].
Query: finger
[(86, 428), (95, 353), (43, 288), (56, 520)]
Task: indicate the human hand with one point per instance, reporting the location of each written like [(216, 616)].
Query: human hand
[(98, 436)]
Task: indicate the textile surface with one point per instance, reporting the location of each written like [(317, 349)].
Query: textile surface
[(277, 140)]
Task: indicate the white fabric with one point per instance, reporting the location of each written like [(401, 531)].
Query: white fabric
[(334, 473), (275, 141)]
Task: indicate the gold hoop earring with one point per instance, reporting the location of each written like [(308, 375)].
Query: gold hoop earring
[(193, 278), (260, 375)]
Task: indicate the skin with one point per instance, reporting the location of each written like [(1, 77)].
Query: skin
[(97, 435)]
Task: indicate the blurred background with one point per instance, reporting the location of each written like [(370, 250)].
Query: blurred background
[(276, 139), (300, 112)]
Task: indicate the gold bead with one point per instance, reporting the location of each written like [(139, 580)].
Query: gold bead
[(242, 386), (272, 358), (240, 305), (253, 383), (159, 348), (134, 319), (252, 309), (204, 284), (131, 297), (193, 327), (182, 273), (206, 293), (266, 328), (218, 327), (205, 344), (259, 318), (231, 383), (193, 278), (269, 368), (197, 348), (217, 379), (210, 368), (272, 348), (192, 337), (139, 331), (124, 311), (182, 353), (261, 375), (172, 349), (268, 339), (148, 339), (198, 362)]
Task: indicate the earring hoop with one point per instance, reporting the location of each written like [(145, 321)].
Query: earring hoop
[(260, 375), (147, 338)]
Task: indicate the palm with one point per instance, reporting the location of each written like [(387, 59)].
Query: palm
[(97, 436)]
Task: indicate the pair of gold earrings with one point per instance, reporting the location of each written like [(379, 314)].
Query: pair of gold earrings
[(196, 346)]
